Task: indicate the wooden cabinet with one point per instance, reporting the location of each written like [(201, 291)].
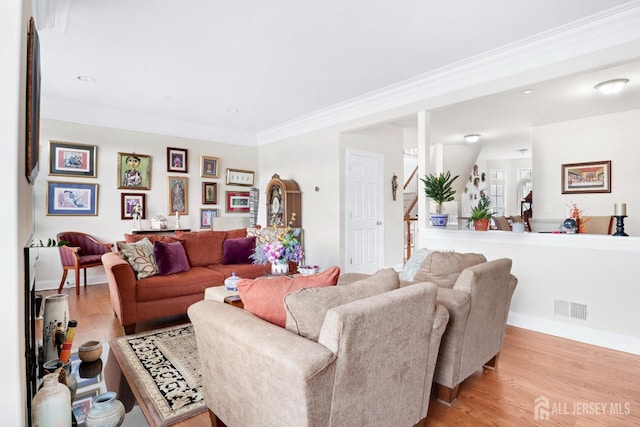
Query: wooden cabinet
[(283, 199)]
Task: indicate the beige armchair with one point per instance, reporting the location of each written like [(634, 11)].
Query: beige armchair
[(478, 306), (477, 295), (372, 365)]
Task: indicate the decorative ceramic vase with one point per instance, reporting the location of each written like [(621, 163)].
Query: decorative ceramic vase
[(106, 411), (51, 366), (439, 220), (56, 316), (51, 406), (280, 267)]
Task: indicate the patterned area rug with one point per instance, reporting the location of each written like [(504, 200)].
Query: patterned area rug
[(163, 370)]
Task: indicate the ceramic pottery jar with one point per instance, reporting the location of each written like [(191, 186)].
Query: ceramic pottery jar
[(106, 411), (280, 267), (51, 406), (56, 316)]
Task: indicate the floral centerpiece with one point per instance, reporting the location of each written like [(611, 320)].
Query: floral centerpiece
[(279, 251)]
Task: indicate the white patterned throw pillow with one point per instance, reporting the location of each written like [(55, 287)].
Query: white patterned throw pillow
[(413, 264), (140, 256)]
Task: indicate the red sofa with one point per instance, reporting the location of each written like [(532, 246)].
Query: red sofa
[(136, 300)]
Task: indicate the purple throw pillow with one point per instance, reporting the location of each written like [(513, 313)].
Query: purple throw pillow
[(237, 251), (170, 257)]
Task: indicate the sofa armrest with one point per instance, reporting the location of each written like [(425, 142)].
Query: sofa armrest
[(242, 355), (349, 278), (122, 287), (458, 304)]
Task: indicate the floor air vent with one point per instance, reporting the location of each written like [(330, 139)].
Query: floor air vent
[(570, 309)]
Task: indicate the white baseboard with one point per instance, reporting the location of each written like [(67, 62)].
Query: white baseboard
[(577, 333), (48, 285)]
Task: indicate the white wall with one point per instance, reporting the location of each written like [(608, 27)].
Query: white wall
[(107, 225), (311, 160), (611, 137), (17, 214)]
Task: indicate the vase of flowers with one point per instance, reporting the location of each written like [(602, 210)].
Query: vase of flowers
[(280, 251)]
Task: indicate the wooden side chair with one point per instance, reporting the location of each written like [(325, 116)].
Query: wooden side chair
[(82, 252), (596, 224), (502, 223)]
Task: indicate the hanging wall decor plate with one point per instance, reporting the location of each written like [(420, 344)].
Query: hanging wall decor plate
[(72, 198), (71, 159), (587, 177)]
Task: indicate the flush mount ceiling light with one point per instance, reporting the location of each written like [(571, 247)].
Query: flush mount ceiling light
[(612, 86), (472, 138)]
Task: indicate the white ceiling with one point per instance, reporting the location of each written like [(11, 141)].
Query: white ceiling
[(192, 62)]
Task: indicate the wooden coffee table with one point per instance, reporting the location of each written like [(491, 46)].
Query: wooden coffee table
[(220, 293)]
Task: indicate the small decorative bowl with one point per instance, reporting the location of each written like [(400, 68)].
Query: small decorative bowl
[(90, 351), (308, 270)]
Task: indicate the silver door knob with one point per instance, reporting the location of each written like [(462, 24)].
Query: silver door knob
[(379, 223)]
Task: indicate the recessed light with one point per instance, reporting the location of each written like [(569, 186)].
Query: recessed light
[(87, 79), (527, 92), (472, 138), (612, 86)]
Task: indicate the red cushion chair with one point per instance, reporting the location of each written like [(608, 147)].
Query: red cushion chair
[(81, 252)]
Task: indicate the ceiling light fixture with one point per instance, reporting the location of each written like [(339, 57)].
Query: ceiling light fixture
[(86, 79), (232, 110), (612, 86), (527, 92), (472, 138)]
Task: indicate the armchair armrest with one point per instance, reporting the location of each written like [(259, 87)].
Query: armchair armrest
[(242, 355), (348, 278)]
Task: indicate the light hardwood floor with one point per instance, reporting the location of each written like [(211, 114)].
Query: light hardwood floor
[(583, 385)]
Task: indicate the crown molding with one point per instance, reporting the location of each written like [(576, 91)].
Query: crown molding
[(55, 109), (610, 28)]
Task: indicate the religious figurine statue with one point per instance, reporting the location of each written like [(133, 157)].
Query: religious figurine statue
[(136, 214), (394, 186)]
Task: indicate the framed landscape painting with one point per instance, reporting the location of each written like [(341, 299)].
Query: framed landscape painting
[(72, 198), (71, 159), (237, 201), (134, 171), (588, 177)]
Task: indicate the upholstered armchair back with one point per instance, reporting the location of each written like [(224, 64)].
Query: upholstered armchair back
[(87, 244)]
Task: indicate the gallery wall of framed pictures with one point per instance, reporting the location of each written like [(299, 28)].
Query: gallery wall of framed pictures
[(73, 164)]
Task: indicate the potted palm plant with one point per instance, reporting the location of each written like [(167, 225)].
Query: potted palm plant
[(482, 213), (439, 188)]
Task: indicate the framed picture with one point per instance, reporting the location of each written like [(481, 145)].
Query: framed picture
[(237, 201), (206, 216), (209, 167), (129, 201), (72, 198), (70, 159), (240, 177), (134, 171), (82, 403), (178, 195), (589, 177), (209, 193), (32, 165), (177, 160)]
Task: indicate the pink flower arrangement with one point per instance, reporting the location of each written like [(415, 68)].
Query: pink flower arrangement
[(286, 247)]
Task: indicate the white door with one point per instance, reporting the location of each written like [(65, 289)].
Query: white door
[(365, 226)]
